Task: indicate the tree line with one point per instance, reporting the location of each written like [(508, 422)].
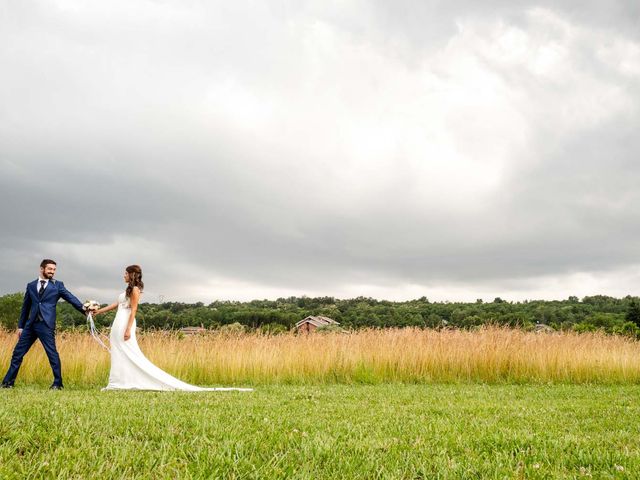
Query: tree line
[(599, 312)]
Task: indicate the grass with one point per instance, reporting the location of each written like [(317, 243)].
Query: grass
[(392, 404), (488, 355), (387, 431)]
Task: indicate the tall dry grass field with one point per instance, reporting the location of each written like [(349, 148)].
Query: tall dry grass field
[(489, 354)]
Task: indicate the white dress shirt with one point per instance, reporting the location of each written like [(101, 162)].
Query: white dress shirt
[(46, 282)]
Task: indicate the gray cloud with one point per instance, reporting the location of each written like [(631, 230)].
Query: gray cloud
[(240, 151)]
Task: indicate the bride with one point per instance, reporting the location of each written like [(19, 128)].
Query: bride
[(130, 369)]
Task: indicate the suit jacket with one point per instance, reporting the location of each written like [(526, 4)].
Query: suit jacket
[(45, 305)]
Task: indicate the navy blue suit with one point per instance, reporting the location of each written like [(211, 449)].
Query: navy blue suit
[(38, 321)]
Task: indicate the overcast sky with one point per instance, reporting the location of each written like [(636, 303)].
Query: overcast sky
[(250, 149)]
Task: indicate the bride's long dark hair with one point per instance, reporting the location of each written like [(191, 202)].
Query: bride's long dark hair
[(135, 278)]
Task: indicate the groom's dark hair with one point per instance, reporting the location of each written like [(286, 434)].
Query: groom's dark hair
[(46, 262)]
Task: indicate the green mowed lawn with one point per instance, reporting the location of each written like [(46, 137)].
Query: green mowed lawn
[(336, 431)]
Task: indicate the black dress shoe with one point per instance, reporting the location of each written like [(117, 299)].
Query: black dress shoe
[(6, 385), (56, 387)]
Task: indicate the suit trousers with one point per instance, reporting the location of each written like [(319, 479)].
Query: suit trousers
[(33, 331)]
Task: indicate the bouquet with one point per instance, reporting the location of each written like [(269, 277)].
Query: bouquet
[(91, 305)]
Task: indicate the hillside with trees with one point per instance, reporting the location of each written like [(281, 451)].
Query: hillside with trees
[(612, 315)]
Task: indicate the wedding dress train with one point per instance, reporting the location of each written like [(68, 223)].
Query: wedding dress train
[(131, 370)]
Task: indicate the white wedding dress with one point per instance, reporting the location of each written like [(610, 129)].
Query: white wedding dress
[(131, 370)]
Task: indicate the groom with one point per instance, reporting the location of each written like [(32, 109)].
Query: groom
[(38, 321)]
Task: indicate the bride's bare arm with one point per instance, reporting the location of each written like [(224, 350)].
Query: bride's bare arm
[(135, 298), (113, 306)]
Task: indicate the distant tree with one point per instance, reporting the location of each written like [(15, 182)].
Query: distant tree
[(233, 329), (10, 306), (330, 329), (272, 328), (433, 321), (471, 321), (633, 312), (583, 327), (627, 328)]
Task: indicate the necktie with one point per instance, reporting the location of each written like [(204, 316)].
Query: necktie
[(42, 282)]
